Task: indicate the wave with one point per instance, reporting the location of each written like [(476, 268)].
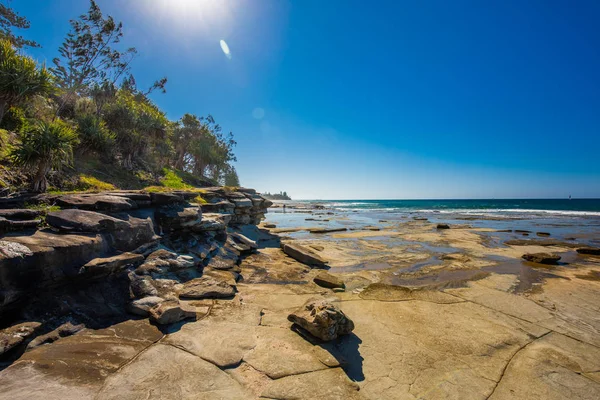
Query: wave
[(494, 211)]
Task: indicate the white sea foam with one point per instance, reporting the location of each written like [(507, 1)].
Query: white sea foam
[(495, 212)]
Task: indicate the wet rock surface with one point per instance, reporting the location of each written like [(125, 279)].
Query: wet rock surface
[(542, 258)]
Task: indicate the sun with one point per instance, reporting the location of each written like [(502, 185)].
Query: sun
[(192, 15)]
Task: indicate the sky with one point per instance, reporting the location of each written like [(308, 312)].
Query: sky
[(375, 100)]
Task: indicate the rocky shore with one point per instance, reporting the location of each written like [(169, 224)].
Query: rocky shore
[(129, 295)]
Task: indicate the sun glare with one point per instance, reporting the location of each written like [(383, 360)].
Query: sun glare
[(192, 15)]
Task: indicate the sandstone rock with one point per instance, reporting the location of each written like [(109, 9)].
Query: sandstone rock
[(66, 329), (589, 250), (84, 221), (316, 247), (322, 319), (98, 202), (165, 198), (443, 226), (15, 335), (302, 254), (542, 258), (169, 312), (222, 206), (19, 214), (108, 265), (212, 222), (142, 306), (177, 217), (207, 288), (7, 225), (327, 280), (141, 286)]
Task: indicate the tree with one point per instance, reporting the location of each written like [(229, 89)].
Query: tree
[(87, 56), (231, 178), (20, 78), (42, 147), (9, 20)]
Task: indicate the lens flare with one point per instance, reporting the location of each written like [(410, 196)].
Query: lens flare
[(225, 48)]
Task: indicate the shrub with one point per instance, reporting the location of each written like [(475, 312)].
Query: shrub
[(87, 182)]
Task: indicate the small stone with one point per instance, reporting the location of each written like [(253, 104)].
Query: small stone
[(170, 311), (542, 258), (270, 226), (325, 279), (542, 233), (322, 319), (443, 226)]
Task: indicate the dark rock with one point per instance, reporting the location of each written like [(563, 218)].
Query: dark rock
[(589, 250), (96, 202), (420, 218), (160, 199), (178, 217), (141, 286), (13, 336), (542, 233), (170, 311), (521, 231), (327, 230), (8, 225), (325, 279), (84, 221), (443, 226), (542, 258), (17, 214), (212, 222), (322, 319), (302, 254)]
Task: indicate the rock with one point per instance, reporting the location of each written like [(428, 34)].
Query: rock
[(302, 254), (212, 222), (322, 319), (325, 279), (160, 199), (542, 258), (96, 202), (542, 233), (105, 266), (66, 329), (13, 336), (248, 244), (177, 217), (316, 247), (420, 219), (19, 214), (589, 250), (141, 286), (169, 312), (7, 225), (327, 230), (270, 226), (84, 221), (207, 287), (443, 226), (142, 306)]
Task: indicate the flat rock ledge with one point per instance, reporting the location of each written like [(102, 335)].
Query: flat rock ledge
[(542, 258)]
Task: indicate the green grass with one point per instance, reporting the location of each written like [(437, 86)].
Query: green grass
[(199, 200), (87, 182), (43, 207), (172, 180)]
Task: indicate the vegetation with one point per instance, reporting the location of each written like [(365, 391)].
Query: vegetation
[(87, 113), (277, 196)]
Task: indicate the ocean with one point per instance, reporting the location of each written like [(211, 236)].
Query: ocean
[(489, 207)]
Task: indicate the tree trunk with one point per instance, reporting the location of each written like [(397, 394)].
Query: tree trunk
[(40, 183), (3, 107)]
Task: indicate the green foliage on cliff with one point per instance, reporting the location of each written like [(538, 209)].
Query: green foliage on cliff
[(88, 113)]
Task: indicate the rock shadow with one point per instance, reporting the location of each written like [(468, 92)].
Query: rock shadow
[(346, 350)]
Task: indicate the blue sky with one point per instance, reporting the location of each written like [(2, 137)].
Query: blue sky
[(354, 99)]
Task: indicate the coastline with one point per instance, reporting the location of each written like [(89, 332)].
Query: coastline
[(442, 308)]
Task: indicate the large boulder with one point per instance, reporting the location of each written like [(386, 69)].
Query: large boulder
[(84, 221), (170, 311), (207, 287), (303, 254), (13, 336), (322, 319), (142, 306), (542, 258)]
